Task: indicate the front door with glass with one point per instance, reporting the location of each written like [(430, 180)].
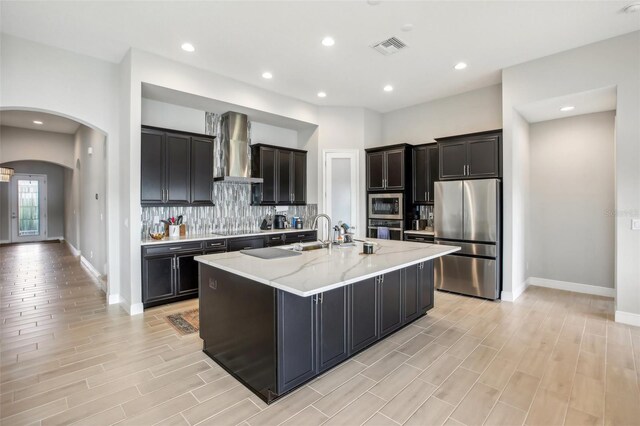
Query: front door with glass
[(28, 208)]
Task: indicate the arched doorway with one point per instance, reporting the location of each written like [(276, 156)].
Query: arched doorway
[(32, 136)]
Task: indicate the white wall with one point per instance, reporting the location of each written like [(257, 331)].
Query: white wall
[(571, 234), (468, 112), (55, 196), (613, 62), (89, 181), (518, 214), (78, 87), (169, 116), (17, 144)]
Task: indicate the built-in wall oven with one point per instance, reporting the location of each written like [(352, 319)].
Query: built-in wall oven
[(386, 216), (386, 206)]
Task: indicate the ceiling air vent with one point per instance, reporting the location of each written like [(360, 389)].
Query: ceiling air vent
[(389, 46)]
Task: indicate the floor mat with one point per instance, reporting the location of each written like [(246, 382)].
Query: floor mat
[(185, 322)]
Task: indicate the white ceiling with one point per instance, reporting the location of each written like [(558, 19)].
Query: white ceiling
[(243, 39), (597, 100), (50, 122)]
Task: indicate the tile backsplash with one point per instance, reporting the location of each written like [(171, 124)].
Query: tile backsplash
[(232, 212)]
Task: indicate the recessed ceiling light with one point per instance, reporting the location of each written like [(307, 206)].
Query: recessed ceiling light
[(267, 75), (632, 8), (388, 88), (328, 41), (38, 122), (188, 47), (460, 66), (322, 95), (567, 108)]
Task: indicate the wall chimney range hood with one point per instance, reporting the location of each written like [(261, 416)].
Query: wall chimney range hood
[(231, 162)]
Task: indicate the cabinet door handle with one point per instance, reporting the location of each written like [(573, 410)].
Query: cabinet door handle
[(321, 298), (426, 197), (215, 244), (175, 248)]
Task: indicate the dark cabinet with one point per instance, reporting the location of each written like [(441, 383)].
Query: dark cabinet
[(375, 171), (296, 340), (410, 291), (331, 328), (300, 237), (284, 162), (299, 175), (274, 240), (245, 243), (284, 175), (157, 282), (152, 167), (169, 273), (425, 173), (201, 171), (425, 286), (363, 313), (176, 168), (186, 274), (390, 287), (386, 169), (178, 159), (476, 155)]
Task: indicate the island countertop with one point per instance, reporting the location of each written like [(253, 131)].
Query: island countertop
[(317, 271)]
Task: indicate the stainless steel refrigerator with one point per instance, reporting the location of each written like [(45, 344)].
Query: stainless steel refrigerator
[(467, 213)]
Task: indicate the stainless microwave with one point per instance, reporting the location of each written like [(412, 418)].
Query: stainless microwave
[(386, 206)]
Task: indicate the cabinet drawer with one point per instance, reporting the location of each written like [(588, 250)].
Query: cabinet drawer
[(419, 238), (245, 243), (171, 248), (295, 237), (215, 244)]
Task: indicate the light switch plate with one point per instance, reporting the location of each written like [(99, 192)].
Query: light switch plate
[(635, 224)]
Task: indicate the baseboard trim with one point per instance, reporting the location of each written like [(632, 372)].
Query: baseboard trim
[(511, 296), (628, 318), (571, 286), (74, 250), (114, 299), (5, 241), (133, 308)]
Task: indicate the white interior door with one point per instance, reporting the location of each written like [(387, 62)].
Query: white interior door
[(341, 186), (28, 208)]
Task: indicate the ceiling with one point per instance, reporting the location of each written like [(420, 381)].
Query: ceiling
[(50, 122), (597, 100), (243, 39)]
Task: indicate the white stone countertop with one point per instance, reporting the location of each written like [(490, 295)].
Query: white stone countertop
[(423, 232), (201, 237), (315, 271)]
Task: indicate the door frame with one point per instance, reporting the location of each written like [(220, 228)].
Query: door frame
[(354, 156), (13, 202)]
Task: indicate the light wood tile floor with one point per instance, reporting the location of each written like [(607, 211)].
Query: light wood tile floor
[(551, 358)]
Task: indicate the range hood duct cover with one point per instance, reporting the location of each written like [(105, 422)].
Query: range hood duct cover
[(232, 162)]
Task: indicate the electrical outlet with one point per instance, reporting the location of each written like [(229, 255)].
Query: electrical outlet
[(635, 224)]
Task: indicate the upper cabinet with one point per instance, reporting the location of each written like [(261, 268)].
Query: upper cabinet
[(425, 172), (176, 168), (284, 174), (476, 155), (387, 168)]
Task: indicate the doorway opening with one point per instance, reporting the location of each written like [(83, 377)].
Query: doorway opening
[(341, 187), (28, 196)]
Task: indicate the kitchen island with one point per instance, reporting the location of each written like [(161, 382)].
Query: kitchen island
[(275, 324)]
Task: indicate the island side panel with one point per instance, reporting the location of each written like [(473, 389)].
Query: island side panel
[(237, 324)]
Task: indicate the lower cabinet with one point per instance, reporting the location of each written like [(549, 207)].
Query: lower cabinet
[(363, 304), (391, 303), (170, 273), (245, 243), (279, 340)]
